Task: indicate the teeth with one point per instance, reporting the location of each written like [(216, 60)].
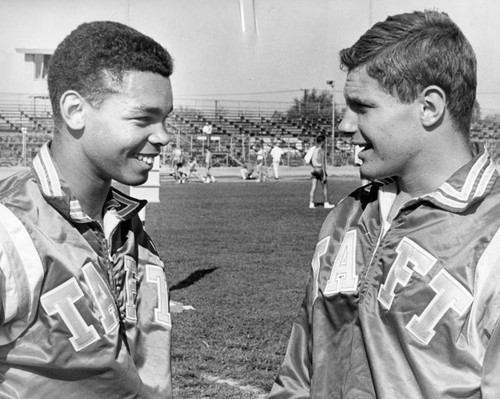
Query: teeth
[(146, 159)]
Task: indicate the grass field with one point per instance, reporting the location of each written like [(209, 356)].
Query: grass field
[(239, 252)]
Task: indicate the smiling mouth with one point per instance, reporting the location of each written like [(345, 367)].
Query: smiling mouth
[(147, 159)]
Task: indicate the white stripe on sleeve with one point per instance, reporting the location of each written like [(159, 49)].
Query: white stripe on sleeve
[(23, 271)]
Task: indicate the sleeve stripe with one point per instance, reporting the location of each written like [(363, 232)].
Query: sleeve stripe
[(23, 271), (9, 297)]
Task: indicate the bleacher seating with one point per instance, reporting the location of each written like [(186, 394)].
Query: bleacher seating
[(233, 131), (237, 131)]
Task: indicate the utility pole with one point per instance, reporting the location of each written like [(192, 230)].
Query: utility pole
[(303, 112), (331, 83)]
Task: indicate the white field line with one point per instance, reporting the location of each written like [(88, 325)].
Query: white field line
[(260, 394)]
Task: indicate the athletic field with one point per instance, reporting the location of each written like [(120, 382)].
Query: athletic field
[(239, 252)]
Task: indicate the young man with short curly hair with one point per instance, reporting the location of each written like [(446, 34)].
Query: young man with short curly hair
[(84, 303)]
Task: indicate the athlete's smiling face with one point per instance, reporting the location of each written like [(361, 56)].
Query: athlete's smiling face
[(124, 134), (387, 128)]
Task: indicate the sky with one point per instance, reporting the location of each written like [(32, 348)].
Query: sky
[(278, 49), (295, 43)]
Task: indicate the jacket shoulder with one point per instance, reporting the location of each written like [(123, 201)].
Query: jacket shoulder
[(14, 184)]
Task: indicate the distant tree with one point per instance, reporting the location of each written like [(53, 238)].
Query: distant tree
[(312, 104), (492, 118)]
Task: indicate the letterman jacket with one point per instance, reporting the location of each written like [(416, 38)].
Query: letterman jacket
[(84, 309), (403, 310)]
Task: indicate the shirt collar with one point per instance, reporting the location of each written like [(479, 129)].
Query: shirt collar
[(59, 195), (465, 187)]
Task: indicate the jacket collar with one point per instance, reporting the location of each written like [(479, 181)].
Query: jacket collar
[(465, 187), (59, 195)]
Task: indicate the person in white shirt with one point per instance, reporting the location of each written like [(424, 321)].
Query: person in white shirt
[(276, 154), (207, 129)]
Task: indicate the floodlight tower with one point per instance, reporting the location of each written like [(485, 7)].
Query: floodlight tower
[(331, 83)]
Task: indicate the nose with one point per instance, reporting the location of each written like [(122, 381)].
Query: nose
[(161, 136), (349, 124)]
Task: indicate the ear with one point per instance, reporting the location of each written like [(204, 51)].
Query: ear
[(71, 104), (433, 106)]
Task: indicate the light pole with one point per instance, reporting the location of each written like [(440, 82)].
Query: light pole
[(331, 83)]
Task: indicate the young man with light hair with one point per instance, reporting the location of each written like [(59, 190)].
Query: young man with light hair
[(403, 299), (84, 305)]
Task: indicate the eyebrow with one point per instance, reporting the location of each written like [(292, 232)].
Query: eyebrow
[(151, 110)]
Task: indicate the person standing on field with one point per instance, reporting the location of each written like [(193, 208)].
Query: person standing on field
[(177, 161), (403, 298), (318, 173), (84, 302), (209, 177), (260, 162), (276, 154)]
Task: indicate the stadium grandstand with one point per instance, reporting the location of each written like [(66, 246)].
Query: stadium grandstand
[(26, 123)]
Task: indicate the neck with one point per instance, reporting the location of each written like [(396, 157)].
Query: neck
[(90, 191), (435, 165)]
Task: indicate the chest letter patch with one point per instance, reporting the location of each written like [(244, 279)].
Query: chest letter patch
[(408, 253), (343, 277)]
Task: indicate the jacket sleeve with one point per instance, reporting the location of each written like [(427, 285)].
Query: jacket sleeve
[(294, 379), (490, 383), (21, 276)]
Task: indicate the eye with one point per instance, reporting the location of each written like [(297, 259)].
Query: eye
[(362, 109), (141, 120), (358, 107)]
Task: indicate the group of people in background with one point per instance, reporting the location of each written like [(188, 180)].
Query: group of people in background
[(257, 167), (184, 168)]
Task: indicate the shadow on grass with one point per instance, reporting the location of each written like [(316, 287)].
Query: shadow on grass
[(192, 278)]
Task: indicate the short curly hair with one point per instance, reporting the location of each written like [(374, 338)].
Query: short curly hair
[(94, 57), (408, 52)]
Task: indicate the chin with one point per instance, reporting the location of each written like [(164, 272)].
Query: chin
[(132, 180), (373, 174), (138, 182)]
